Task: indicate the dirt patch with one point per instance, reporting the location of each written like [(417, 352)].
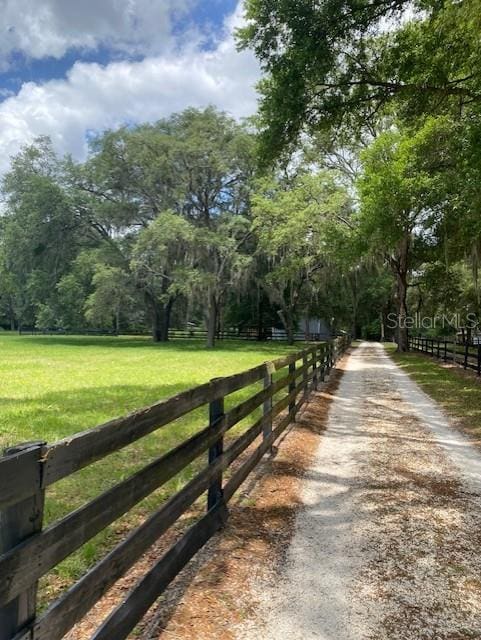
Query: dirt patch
[(461, 415), (212, 595), (421, 538)]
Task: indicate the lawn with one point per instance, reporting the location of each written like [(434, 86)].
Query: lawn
[(53, 387), (457, 391)]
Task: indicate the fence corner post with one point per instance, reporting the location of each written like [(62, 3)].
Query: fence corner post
[(215, 492), (19, 521)]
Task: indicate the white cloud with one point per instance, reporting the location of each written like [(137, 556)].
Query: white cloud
[(40, 28), (93, 97)]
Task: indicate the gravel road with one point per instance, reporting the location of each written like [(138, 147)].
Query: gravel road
[(387, 544)]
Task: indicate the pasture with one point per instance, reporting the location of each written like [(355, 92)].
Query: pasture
[(55, 386)]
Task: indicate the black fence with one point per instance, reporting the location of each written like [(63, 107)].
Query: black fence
[(28, 550), (464, 355), (188, 334)]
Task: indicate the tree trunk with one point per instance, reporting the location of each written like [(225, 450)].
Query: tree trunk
[(211, 321), (260, 331), (290, 333), (355, 304), (287, 319), (403, 337), (161, 320), (401, 271), (12, 318), (165, 322), (156, 330)]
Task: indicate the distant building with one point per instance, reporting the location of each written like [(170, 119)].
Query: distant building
[(307, 329), (315, 327)]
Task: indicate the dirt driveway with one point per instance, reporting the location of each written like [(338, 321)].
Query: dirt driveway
[(387, 542)]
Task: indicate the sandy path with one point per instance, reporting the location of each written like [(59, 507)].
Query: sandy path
[(388, 543)]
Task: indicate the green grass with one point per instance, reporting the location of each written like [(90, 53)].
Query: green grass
[(457, 391), (53, 387)]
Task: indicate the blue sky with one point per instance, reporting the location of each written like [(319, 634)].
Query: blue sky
[(208, 17), (70, 67)]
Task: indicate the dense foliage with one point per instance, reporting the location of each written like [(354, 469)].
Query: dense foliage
[(391, 90), (357, 194), (170, 225)]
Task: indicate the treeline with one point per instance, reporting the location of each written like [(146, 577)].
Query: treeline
[(354, 196), (172, 225), (391, 92)]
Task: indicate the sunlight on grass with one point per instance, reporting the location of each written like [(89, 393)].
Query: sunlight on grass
[(458, 392), (53, 387)]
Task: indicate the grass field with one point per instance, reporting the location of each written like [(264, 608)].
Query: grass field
[(53, 387), (458, 392)]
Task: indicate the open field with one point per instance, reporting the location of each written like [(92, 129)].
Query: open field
[(53, 387)]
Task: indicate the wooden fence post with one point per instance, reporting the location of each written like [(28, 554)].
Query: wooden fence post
[(18, 522), (305, 375), (328, 358), (439, 345), (267, 406), (292, 386), (216, 413), (314, 368), (445, 350), (466, 351), (322, 357)]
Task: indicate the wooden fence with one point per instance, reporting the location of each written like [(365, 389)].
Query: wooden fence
[(29, 551), (464, 355), (179, 334)]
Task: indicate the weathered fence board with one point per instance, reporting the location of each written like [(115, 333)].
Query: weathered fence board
[(71, 454), (28, 553), (15, 485), (121, 621), (19, 522), (468, 356)]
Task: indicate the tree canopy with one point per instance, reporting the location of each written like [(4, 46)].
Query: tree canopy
[(353, 194), (169, 224)]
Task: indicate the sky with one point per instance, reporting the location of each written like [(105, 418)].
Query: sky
[(72, 68)]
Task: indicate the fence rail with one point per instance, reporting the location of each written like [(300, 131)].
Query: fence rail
[(29, 551), (188, 334), (464, 355)]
